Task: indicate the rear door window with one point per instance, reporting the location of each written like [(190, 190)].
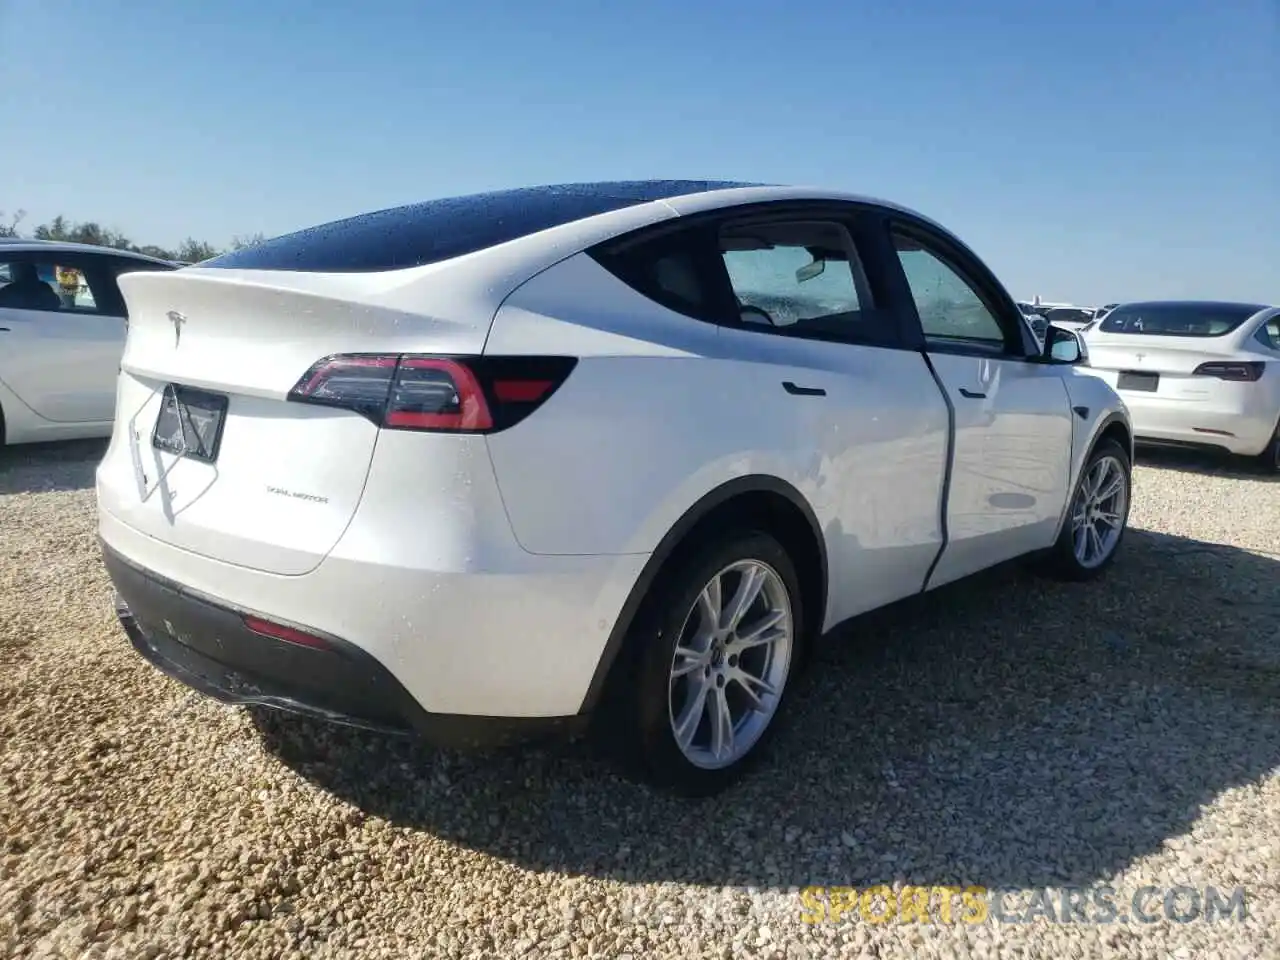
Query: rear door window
[(796, 277)]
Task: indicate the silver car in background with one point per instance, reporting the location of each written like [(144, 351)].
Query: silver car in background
[(1195, 373)]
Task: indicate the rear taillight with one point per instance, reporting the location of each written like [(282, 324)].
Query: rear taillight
[(440, 394), (430, 393), (1243, 370)]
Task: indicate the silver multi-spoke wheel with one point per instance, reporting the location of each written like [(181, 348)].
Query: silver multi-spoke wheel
[(1099, 512), (730, 664)]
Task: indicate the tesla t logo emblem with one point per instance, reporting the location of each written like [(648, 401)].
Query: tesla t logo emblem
[(177, 320), (1139, 357)]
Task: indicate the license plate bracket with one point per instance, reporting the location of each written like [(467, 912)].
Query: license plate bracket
[(190, 423), (1138, 380)]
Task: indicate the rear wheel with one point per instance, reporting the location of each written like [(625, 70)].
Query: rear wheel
[(1098, 515), (714, 654)]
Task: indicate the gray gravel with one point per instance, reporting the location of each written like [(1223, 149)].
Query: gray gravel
[(1006, 732)]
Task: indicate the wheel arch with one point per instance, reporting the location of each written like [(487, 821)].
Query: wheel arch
[(1112, 426), (758, 500), (1116, 427)]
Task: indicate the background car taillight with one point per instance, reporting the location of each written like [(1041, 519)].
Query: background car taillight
[(449, 394), (1243, 370)]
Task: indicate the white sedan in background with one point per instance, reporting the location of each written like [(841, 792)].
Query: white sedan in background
[(1195, 373), (62, 332)]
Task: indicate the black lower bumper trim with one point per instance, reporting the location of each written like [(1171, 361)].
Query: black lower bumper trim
[(205, 644), (1188, 446)]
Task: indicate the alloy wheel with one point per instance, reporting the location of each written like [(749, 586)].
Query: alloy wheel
[(1099, 512), (730, 664)]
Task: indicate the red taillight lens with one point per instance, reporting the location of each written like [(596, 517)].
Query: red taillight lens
[(278, 631), (437, 394), (1240, 370), (449, 394)]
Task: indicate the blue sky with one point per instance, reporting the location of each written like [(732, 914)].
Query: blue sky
[(1089, 151)]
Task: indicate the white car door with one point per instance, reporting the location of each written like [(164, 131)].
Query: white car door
[(63, 362), (1011, 464)]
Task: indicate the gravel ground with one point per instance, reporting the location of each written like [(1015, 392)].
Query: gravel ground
[(1006, 732)]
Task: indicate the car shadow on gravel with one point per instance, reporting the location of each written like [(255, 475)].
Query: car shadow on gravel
[(49, 467), (1006, 731), (1205, 462)]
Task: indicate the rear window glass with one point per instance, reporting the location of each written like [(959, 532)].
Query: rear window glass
[(436, 230), (1178, 319)]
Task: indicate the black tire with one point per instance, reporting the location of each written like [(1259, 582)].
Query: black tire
[(1062, 560), (643, 718)]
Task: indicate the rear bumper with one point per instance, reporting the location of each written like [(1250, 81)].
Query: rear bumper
[(1237, 417), (1200, 424), (466, 627), (205, 644)]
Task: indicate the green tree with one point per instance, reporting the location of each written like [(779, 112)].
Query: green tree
[(193, 251), (151, 250), (10, 229), (239, 242), (56, 229)]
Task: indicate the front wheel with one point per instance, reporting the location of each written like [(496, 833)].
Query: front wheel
[(715, 654), (1098, 515)]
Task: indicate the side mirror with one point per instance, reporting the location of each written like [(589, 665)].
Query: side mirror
[(1064, 346)]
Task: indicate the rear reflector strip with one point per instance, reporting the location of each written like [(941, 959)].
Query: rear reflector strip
[(277, 631), (521, 391), (1218, 433)]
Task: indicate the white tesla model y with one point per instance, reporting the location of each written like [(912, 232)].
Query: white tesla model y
[(492, 465)]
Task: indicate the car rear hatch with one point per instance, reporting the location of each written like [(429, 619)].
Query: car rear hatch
[(253, 478), (1165, 367)]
